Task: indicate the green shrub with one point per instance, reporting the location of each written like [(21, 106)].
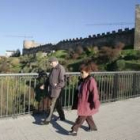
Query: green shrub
[(120, 65), (129, 54), (133, 65)]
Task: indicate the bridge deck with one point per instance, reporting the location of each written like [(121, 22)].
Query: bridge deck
[(115, 121)]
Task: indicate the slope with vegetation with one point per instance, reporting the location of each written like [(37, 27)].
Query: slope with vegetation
[(117, 58)]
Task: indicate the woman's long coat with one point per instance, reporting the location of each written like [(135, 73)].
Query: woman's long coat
[(88, 85)]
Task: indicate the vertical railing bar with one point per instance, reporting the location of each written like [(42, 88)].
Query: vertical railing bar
[(107, 87), (99, 87), (34, 88), (123, 85), (69, 95), (16, 96), (65, 96), (120, 89), (130, 85), (73, 87), (24, 96), (103, 88), (119, 94), (29, 96), (19, 96), (12, 107), (109, 82), (101, 95), (20, 99), (1, 96), (7, 97)]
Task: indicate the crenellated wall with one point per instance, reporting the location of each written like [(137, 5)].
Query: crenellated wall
[(105, 39), (125, 36)]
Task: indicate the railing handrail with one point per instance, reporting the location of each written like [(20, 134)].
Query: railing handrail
[(102, 72)]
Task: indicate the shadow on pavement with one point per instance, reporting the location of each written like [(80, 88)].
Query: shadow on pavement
[(59, 129), (38, 117)]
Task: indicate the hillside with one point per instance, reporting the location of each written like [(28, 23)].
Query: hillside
[(105, 59)]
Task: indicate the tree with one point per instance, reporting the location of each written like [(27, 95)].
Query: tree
[(16, 54)]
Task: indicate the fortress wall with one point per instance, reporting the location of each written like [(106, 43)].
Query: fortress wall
[(125, 36)]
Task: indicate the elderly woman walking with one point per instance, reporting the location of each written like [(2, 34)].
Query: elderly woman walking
[(88, 100)]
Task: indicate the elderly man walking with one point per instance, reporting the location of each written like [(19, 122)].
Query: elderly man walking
[(55, 84)]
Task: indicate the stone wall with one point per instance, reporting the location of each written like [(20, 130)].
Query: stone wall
[(125, 36), (104, 39)]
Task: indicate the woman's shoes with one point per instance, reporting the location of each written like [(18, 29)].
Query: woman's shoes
[(73, 133), (92, 129)]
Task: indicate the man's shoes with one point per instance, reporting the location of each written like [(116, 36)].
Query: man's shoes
[(45, 122), (62, 119), (73, 133)]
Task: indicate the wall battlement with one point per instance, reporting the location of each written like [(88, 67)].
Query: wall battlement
[(125, 36), (126, 30)]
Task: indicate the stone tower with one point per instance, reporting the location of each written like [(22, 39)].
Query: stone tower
[(137, 28), (28, 44)]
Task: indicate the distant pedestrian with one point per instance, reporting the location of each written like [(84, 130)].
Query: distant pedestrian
[(56, 83), (88, 100), (41, 93)]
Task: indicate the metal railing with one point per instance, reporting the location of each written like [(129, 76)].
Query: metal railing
[(17, 91), (16, 94)]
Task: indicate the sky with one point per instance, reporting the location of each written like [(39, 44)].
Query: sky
[(51, 21)]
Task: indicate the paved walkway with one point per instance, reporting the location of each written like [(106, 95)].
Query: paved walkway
[(115, 121)]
